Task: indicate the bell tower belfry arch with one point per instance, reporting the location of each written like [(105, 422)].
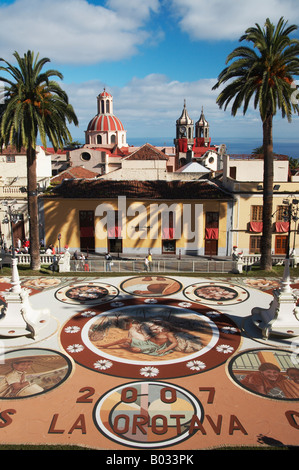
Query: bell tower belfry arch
[(105, 103), (184, 137), (202, 130)]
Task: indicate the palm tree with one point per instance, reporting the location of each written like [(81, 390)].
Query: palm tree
[(34, 105), (264, 73)]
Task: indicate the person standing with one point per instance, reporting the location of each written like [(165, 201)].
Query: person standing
[(108, 261), (150, 261), (146, 263)]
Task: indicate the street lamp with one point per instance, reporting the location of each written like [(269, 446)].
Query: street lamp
[(282, 317), (291, 213), (10, 217)]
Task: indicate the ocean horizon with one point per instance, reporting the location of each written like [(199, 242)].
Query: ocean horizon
[(245, 146), (289, 147)]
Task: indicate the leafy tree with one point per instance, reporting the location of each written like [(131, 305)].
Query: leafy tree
[(34, 104), (258, 151), (73, 144), (263, 73), (294, 163)]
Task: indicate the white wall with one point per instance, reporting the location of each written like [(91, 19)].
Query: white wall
[(18, 168), (252, 169)]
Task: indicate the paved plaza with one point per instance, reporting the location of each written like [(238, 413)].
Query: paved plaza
[(149, 363)]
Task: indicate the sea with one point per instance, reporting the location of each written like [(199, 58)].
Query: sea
[(244, 146), (289, 147)]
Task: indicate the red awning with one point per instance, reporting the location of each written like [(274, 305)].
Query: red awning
[(114, 232), (168, 233), (282, 227), (256, 227), (212, 233), (183, 147)]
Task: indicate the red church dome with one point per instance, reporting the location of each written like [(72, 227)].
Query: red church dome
[(105, 94), (105, 123)]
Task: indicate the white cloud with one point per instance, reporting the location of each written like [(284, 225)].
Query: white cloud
[(228, 20), (74, 31), (134, 9), (149, 107)]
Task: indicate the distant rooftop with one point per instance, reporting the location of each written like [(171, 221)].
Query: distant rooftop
[(99, 188), (147, 152), (77, 172), (255, 157)]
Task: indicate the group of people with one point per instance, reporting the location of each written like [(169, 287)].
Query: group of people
[(82, 261), (50, 250), (19, 246), (148, 262)]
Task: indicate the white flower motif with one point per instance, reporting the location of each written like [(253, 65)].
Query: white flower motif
[(103, 364), (196, 365), (224, 348), (117, 304), (213, 314), (229, 330), (72, 329), (151, 301), (75, 348), (149, 371), (185, 304), (88, 313)]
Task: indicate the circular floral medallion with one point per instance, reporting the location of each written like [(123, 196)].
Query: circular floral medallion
[(147, 338), (147, 414), (91, 293), (216, 293)]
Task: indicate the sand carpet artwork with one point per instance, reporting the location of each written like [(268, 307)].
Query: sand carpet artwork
[(216, 293), (91, 293), (29, 372), (149, 363), (137, 338)]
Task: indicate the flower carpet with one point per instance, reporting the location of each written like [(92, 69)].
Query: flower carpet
[(149, 363)]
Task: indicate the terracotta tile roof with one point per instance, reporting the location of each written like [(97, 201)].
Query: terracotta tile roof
[(51, 151), (147, 152), (73, 173), (104, 189), (113, 152), (13, 151)]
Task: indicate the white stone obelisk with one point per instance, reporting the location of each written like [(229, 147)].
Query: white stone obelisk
[(282, 317), (17, 317)]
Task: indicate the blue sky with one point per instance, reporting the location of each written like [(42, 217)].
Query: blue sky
[(151, 55)]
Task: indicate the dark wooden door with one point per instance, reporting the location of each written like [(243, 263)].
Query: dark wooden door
[(211, 247), (86, 223), (281, 244), (211, 244)]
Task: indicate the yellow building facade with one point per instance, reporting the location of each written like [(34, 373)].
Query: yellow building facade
[(242, 177), (247, 223), (162, 217)]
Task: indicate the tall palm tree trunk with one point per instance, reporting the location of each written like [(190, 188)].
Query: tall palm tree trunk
[(33, 209), (266, 241)]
